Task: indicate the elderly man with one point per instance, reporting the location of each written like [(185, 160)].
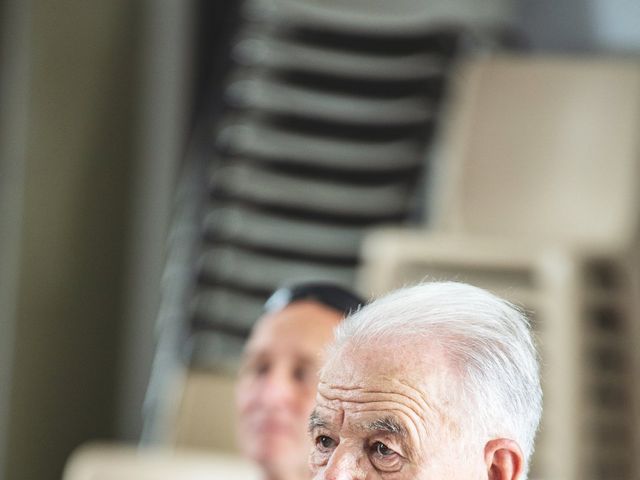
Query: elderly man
[(438, 381), (277, 385)]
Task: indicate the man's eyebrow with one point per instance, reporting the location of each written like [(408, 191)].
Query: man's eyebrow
[(316, 421), (387, 424)]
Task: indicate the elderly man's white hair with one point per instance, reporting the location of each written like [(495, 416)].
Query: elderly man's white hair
[(486, 337)]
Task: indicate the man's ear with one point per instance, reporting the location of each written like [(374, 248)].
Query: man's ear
[(504, 459)]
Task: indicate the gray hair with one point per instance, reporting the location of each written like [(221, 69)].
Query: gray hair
[(487, 338)]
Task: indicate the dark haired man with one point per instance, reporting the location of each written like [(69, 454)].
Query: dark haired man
[(277, 384)]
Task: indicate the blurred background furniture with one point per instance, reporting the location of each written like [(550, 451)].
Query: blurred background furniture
[(121, 462), (537, 200), (322, 131)]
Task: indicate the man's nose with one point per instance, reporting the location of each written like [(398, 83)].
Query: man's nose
[(278, 388), (344, 465)]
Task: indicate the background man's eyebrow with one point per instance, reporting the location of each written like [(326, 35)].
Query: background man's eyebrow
[(387, 424), (316, 421)]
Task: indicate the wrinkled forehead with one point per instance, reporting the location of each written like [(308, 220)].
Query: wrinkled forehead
[(410, 379), (416, 362), (424, 365)]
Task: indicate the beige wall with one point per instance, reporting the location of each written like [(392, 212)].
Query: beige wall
[(206, 416), (77, 165)]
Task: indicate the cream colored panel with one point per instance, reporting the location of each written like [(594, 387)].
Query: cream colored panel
[(206, 416)]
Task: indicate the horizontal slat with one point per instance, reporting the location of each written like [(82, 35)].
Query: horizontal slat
[(400, 18), (271, 53), (225, 264), (271, 188), (259, 229), (267, 95), (228, 306), (252, 139)]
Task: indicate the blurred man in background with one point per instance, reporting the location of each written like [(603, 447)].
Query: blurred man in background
[(277, 385), (433, 382)]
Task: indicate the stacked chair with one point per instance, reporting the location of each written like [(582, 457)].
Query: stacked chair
[(535, 197), (322, 132), (326, 117)]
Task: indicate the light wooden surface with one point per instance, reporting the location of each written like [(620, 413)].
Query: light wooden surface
[(122, 462)]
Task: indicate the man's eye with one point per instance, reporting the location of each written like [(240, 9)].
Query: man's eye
[(384, 458), (300, 374), (382, 450), (255, 368), (324, 443), (255, 371)]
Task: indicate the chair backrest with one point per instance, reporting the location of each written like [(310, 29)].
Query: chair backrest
[(206, 417), (120, 462), (542, 147), (536, 183)]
